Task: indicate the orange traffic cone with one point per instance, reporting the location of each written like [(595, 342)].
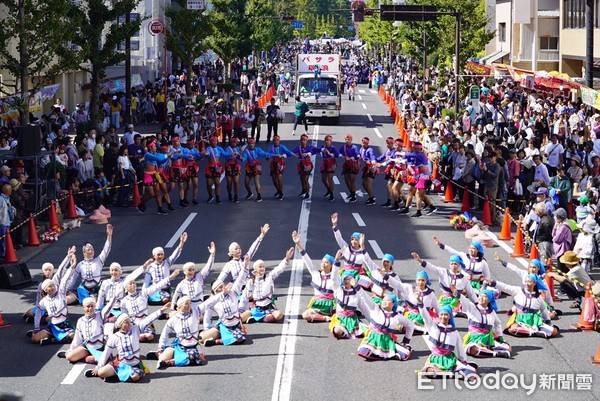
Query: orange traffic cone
[(449, 195), (136, 195), (505, 233), (3, 324), (10, 256), (71, 211), (487, 214), (534, 253), (550, 281), (519, 249), (595, 360), (587, 318), (53, 218), (33, 237), (466, 204)]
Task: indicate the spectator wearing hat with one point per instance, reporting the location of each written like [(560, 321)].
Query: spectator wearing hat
[(583, 210), (574, 283), (584, 246), (18, 199), (574, 172), (562, 236), (7, 215), (542, 194), (115, 112), (5, 174), (562, 185)]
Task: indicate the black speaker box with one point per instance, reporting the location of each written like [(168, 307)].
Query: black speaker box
[(30, 141), (14, 276)]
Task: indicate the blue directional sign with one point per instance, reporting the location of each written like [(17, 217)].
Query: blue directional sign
[(350, 27), (297, 24)]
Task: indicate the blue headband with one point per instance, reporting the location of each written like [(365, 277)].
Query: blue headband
[(394, 298), (457, 259), (329, 258), (423, 274), (541, 286), (479, 247), (537, 263), (448, 310), (389, 258), (355, 235), (345, 274), (492, 300)]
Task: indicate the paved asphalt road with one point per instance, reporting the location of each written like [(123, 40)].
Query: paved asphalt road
[(305, 363)]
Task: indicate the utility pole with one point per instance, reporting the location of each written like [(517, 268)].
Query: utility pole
[(589, 43), (23, 64), (457, 14), (127, 71)]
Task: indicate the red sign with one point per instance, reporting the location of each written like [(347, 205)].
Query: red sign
[(156, 27)]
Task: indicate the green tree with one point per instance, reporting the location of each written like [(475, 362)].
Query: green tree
[(188, 32), (377, 34), (441, 33), (34, 45), (233, 34), (98, 36), (267, 31)]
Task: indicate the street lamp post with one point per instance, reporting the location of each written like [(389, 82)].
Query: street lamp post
[(127, 71)]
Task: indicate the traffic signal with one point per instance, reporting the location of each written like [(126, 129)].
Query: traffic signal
[(358, 10)]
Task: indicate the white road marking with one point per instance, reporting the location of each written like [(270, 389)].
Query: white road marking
[(507, 248), (377, 132), (180, 231), (74, 373), (359, 97), (364, 106), (359, 220), (361, 193), (344, 196), (362, 91), (285, 361), (372, 91), (369, 117), (336, 181), (376, 248)]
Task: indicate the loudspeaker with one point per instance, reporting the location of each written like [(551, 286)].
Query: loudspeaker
[(30, 141), (14, 276)]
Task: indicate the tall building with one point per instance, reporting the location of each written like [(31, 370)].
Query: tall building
[(527, 33), (572, 37)]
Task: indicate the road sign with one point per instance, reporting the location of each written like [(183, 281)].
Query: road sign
[(156, 27), (350, 27), (297, 24), (407, 13), (474, 95), (196, 4)]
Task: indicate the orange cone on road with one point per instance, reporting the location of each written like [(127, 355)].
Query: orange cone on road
[(3, 324), (136, 195), (33, 237), (449, 194), (587, 318), (519, 249), (534, 253), (487, 214), (505, 233), (71, 211), (596, 358), (52, 218), (466, 205), (10, 256)]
